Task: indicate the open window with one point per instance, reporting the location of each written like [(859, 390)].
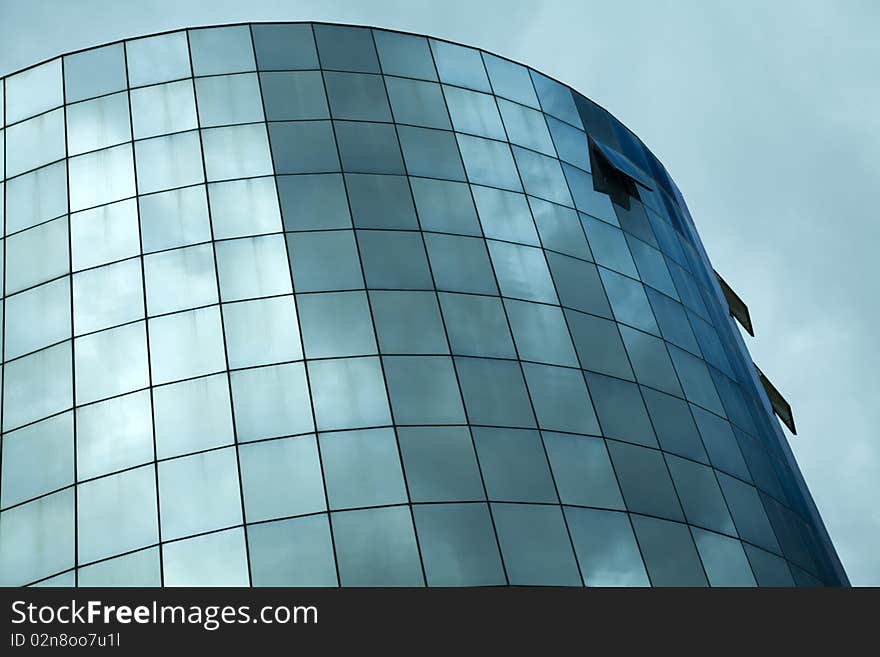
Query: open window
[(780, 406), (738, 308)]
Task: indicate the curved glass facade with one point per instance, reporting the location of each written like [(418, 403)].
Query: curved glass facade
[(320, 305)]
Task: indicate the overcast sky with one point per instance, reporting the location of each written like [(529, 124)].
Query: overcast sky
[(766, 114)]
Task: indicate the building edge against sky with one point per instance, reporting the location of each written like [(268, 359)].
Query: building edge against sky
[(310, 304)]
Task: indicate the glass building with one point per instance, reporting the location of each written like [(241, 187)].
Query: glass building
[(319, 305)]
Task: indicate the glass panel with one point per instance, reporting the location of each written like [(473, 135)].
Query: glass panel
[(724, 560), (199, 493), (357, 97), (404, 54), (748, 513), (221, 50), (35, 142), (579, 285), (673, 321), (423, 390), (669, 553), (460, 264), (94, 72), (377, 547), (458, 546), (514, 465), (522, 272), (540, 333), (214, 560), (285, 46), (526, 127), (34, 91), (629, 302), (477, 326), (37, 318), (97, 124), (37, 459), (325, 261), (157, 59), (303, 147), (700, 495), (474, 113), (769, 569), (228, 99), (368, 147), (380, 201), (37, 386), (417, 103), (394, 260), (253, 267), (609, 246), (348, 393), (107, 296), (163, 109), (586, 199), (460, 66), (431, 153), (445, 206), (408, 323), (36, 197), (560, 399), (116, 514), (137, 569), (535, 545), (192, 416), (556, 99), (494, 392), (271, 402), (186, 345), (621, 411), (695, 379), (313, 202), (101, 177), (652, 266), (294, 96), (111, 363), (505, 215), (168, 162), (582, 471), (644, 481), (362, 468), (281, 478), (180, 279), (510, 80), (560, 229), (173, 219), (244, 207), (571, 144), (261, 332), (650, 361), (296, 552), (721, 444), (489, 162), (606, 548), (440, 464), (674, 425), (36, 255), (598, 345), (336, 324), (542, 176), (345, 48), (25, 554), (114, 435), (237, 152), (104, 234)]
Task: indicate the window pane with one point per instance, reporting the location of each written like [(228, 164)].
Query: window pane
[(94, 72), (101, 177), (458, 546), (394, 260), (180, 279), (404, 54), (376, 547), (423, 390), (769, 569), (556, 99), (474, 113), (609, 246), (348, 393), (445, 206), (540, 333), (494, 392), (417, 103), (652, 266), (721, 444), (582, 471), (37, 386), (526, 127), (380, 201), (163, 109), (514, 465), (35, 142), (440, 464), (313, 202), (221, 50), (748, 512), (674, 425), (724, 560), (542, 176), (175, 218), (192, 416), (107, 296), (306, 147), (229, 99), (560, 399), (700, 495), (673, 321), (271, 402), (37, 255), (34, 91), (669, 553), (560, 229), (168, 162), (336, 324), (535, 545), (620, 409), (598, 345), (606, 548), (25, 554), (345, 48), (431, 153), (505, 215), (579, 285), (695, 380), (186, 344), (253, 267), (37, 459), (362, 468), (489, 163), (137, 569), (281, 478), (294, 96), (37, 318), (285, 46), (157, 59), (644, 481), (244, 207), (522, 272), (461, 264), (460, 66), (510, 80), (111, 362), (104, 234), (237, 152), (296, 552), (586, 198), (650, 360), (114, 435), (214, 560), (97, 124), (36, 197), (571, 144), (357, 97), (261, 332), (477, 326), (408, 323), (628, 301), (116, 514), (368, 147), (199, 493), (325, 261)]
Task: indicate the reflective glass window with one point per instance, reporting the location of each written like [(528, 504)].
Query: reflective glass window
[(281, 478), (168, 162), (285, 46), (104, 235), (556, 99), (368, 147), (111, 363), (629, 302), (357, 96), (35, 142), (522, 272), (139, 568), (404, 54), (571, 144), (114, 435), (526, 127), (417, 103), (192, 416), (582, 471), (606, 548), (36, 197), (325, 261), (376, 547), (261, 332), (34, 91), (36, 255), (748, 513), (724, 559), (107, 296), (696, 381), (542, 176), (37, 386), (336, 324), (460, 264), (650, 360), (440, 464), (510, 80), (94, 72), (37, 459), (348, 393), (180, 279), (609, 246), (199, 493), (157, 59), (644, 481), (379, 201), (494, 392), (674, 425), (431, 153), (621, 411), (445, 206), (586, 199), (244, 207), (290, 96), (186, 344), (221, 50), (313, 202), (721, 444), (474, 113), (769, 570), (651, 266), (362, 468), (560, 229), (37, 318), (228, 99), (505, 215), (174, 219), (489, 162), (579, 285), (673, 322), (295, 552), (394, 260), (30, 556), (423, 390), (535, 545), (514, 466), (237, 152), (408, 322), (700, 495), (101, 177), (271, 402), (477, 326), (252, 267), (303, 147), (344, 48), (669, 553), (212, 560), (98, 124), (560, 399), (460, 66), (540, 333)]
